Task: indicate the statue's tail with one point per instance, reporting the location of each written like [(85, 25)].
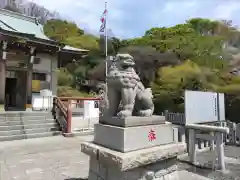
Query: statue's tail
[(148, 91), (149, 103)]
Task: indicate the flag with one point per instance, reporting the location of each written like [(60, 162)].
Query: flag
[(103, 21)]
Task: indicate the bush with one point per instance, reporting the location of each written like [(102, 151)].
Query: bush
[(66, 91), (64, 77)]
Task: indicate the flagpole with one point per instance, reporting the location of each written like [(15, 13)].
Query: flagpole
[(106, 48)]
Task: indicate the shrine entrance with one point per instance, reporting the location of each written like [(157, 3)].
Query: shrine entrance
[(10, 93), (15, 90)]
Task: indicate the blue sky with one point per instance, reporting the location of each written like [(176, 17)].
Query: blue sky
[(131, 18)]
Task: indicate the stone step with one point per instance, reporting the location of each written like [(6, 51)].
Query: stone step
[(26, 122), (28, 131), (31, 126), (29, 136), (24, 114), (3, 119)]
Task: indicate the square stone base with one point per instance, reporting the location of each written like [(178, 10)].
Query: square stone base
[(134, 138), (132, 121), (106, 164)]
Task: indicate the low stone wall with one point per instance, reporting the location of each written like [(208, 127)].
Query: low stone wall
[(144, 164), (156, 170), (79, 123)]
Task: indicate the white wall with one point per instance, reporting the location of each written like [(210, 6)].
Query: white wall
[(45, 63), (45, 66)]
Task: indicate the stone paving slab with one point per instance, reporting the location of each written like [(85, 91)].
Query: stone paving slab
[(54, 158), (204, 160), (184, 175), (60, 158)]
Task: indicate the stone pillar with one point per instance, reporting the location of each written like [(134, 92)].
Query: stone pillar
[(192, 146), (29, 79), (3, 76), (220, 150)]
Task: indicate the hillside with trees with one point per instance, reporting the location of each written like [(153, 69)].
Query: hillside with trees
[(200, 54)]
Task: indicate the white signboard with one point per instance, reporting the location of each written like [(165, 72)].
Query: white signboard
[(89, 110), (40, 102), (201, 107)]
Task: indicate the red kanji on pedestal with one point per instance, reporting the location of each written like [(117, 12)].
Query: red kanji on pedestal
[(151, 135)]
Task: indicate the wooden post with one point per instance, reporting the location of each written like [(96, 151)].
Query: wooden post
[(69, 117), (29, 79), (220, 150), (3, 76), (2, 84), (192, 146)]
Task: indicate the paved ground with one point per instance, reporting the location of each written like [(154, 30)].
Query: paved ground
[(59, 158), (205, 159), (53, 158)]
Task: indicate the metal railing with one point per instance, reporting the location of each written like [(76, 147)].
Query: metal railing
[(175, 118), (212, 134), (231, 138)]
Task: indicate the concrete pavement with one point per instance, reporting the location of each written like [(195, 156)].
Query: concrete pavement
[(60, 158), (53, 158)]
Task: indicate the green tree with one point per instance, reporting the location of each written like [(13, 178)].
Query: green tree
[(173, 81), (60, 30), (64, 77)]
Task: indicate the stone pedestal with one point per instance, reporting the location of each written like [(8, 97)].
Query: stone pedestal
[(144, 164), (134, 138), (132, 150)]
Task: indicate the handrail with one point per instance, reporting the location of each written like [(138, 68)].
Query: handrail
[(208, 128), (64, 111), (64, 106), (61, 106), (214, 133)]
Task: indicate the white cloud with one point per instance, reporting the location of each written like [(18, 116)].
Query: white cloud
[(179, 6), (132, 18), (85, 11), (54, 4), (225, 10)]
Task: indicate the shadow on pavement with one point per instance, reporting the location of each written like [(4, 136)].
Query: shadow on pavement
[(75, 179)]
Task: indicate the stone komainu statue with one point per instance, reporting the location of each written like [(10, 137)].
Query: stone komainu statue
[(126, 93)]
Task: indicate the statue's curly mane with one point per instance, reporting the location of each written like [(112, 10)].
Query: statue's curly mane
[(125, 86)]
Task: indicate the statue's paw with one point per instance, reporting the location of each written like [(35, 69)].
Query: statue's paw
[(146, 113), (124, 113), (149, 175)]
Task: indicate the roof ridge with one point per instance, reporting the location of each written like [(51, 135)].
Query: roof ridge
[(18, 15)]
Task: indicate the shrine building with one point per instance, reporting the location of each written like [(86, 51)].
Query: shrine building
[(28, 60)]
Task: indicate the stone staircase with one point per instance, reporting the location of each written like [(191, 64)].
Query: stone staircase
[(26, 125)]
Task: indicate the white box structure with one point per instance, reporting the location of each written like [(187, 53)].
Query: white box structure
[(201, 107)]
